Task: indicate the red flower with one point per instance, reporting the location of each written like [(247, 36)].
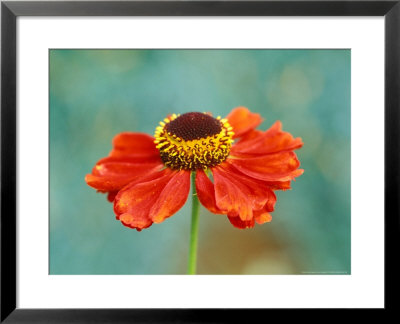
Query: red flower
[(148, 178)]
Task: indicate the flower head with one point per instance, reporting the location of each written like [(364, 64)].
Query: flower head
[(193, 141), (148, 178)]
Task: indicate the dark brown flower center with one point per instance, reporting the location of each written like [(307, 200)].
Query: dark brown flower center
[(194, 125)]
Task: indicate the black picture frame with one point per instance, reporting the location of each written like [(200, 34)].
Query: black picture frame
[(10, 10)]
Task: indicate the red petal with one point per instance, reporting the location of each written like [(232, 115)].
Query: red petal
[(259, 216), (243, 121), (262, 216), (238, 194), (111, 195), (172, 198), (112, 176), (271, 141), (249, 136), (137, 145), (238, 223), (261, 193), (272, 167), (118, 169), (104, 185), (152, 198), (278, 185), (232, 197), (138, 222), (206, 192)]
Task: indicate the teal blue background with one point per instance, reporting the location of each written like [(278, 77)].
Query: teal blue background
[(95, 94)]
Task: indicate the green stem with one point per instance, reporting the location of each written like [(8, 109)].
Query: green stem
[(194, 229)]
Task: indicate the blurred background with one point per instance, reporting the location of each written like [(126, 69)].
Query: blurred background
[(95, 94)]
